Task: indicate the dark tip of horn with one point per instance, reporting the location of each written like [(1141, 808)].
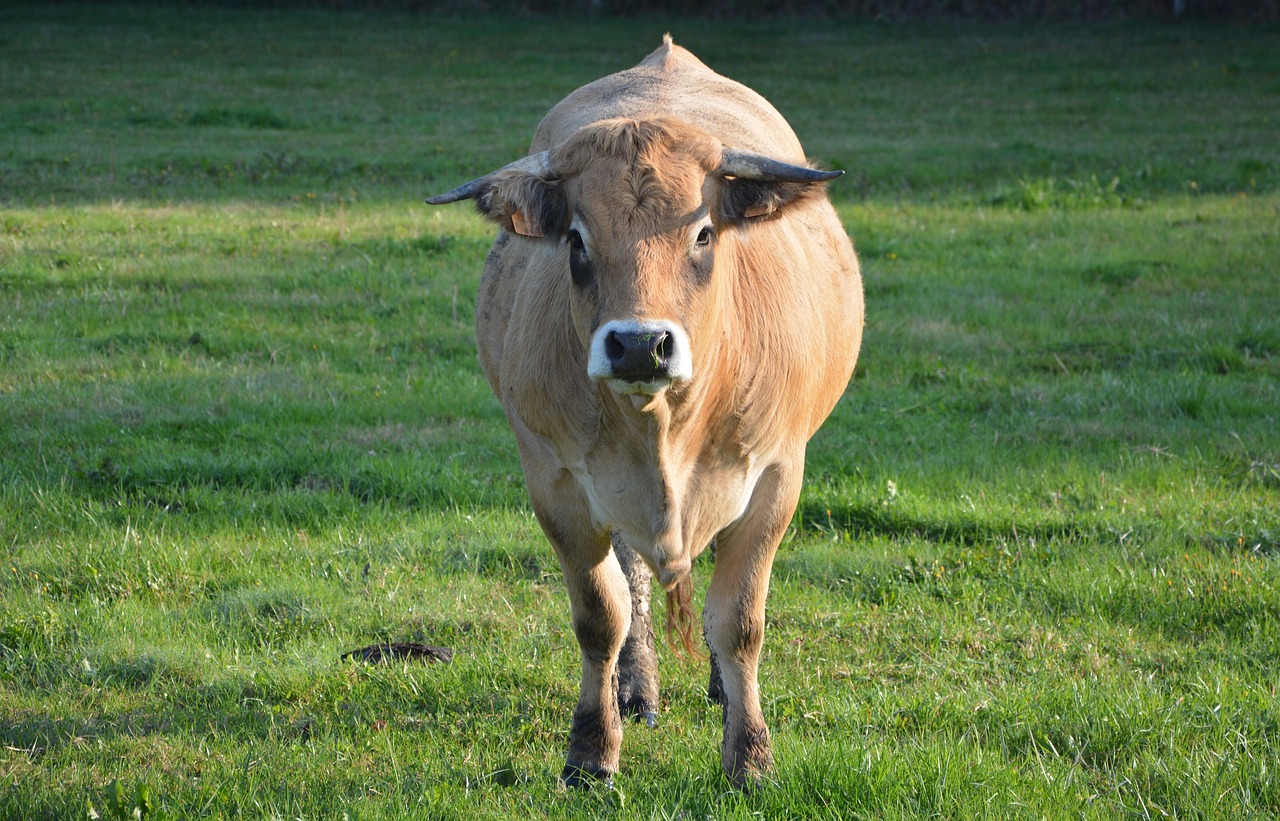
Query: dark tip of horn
[(465, 191), (750, 166), (537, 164)]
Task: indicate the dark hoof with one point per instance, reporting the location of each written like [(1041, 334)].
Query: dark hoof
[(574, 777), (640, 709)]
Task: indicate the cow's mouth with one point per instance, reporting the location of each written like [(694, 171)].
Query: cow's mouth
[(651, 386)]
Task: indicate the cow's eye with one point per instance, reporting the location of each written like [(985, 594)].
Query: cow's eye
[(579, 262), (705, 236)]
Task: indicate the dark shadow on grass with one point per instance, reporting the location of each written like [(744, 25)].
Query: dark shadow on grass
[(39, 734), (1205, 606), (873, 518)]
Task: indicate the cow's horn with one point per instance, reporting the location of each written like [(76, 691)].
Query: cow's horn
[(537, 164), (748, 166)]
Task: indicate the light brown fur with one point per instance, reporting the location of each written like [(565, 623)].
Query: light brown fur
[(775, 326)]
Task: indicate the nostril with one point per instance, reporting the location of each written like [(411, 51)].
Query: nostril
[(614, 347), (665, 347)]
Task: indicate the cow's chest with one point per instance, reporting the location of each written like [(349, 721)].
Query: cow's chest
[(665, 512)]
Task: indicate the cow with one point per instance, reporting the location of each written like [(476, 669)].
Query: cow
[(669, 311)]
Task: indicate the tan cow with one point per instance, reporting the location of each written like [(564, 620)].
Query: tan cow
[(669, 312)]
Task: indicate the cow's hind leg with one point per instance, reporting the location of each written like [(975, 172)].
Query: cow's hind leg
[(638, 660), (734, 619), (715, 686)]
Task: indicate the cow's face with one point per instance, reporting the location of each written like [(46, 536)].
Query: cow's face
[(640, 249), (637, 213)]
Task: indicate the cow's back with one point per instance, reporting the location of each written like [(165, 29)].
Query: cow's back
[(671, 82)]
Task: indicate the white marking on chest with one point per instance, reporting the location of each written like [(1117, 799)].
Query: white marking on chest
[(755, 469), (599, 511)]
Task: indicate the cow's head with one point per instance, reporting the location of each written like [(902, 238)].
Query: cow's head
[(635, 211)]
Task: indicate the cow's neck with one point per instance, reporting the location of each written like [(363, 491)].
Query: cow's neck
[(671, 428), (667, 446)]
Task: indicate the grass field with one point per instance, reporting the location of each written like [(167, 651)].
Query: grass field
[(243, 429)]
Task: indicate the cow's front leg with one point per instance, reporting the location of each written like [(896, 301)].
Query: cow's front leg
[(601, 603), (638, 661), (733, 619)]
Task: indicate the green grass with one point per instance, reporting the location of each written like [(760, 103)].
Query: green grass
[(1034, 573)]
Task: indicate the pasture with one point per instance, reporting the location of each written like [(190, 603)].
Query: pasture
[(1035, 570)]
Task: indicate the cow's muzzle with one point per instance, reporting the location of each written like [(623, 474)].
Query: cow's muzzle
[(640, 356)]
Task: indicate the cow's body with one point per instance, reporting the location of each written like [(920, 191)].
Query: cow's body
[(628, 240)]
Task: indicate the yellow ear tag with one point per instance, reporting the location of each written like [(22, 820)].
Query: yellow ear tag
[(523, 226)]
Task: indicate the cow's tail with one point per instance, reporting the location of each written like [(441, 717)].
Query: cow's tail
[(680, 618)]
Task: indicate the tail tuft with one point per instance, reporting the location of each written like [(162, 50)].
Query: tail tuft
[(679, 620)]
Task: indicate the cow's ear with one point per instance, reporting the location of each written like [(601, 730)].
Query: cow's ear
[(744, 200), (525, 204)]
